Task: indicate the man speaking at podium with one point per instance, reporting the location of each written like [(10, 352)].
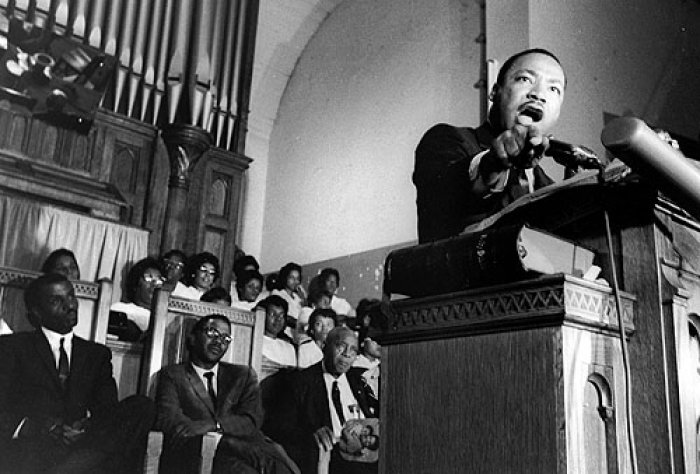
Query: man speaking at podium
[(463, 175)]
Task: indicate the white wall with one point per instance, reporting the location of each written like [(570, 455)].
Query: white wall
[(284, 28), (636, 57), (333, 156), (623, 57), (373, 79)]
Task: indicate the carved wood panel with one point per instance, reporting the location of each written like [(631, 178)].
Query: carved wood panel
[(216, 194)]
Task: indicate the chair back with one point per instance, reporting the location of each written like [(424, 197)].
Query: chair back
[(94, 300), (172, 319)]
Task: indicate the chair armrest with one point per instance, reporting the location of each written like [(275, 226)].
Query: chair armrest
[(210, 441), (153, 450)]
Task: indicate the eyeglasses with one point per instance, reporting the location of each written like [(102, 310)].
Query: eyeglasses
[(151, 279), (277, 314), (214, 333), (170, 264), (206, 270)]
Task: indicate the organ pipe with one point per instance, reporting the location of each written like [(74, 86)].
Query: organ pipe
[(184, 56)]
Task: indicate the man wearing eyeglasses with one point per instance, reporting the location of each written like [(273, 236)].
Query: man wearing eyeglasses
[(325, 396), (207, 395)]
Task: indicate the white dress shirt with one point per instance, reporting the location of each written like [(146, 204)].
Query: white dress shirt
[(54, 339), (347, 400), (214, 380)]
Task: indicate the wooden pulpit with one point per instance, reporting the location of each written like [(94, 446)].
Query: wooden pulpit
[(528, 377)]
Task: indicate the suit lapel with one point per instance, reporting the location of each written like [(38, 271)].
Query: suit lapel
[(320, 395), (78, 358), (41, 346), (358, 390), (484, 135), (224, 384), (201, 391)]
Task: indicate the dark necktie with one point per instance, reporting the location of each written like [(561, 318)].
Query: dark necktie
[(63, 367), (335, 395), (210, 386)]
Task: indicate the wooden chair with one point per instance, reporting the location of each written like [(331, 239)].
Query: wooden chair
[(94, 300), (171, 321)]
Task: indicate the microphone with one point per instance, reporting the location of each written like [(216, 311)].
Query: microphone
[(573, 156)]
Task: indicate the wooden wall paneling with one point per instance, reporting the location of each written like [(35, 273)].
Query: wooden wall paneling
[(495, 380), (5, 124), (220, 208), (77, 146), (439, 435), (157, 196), (679, 252), (126, 149), (647, 351), (19, 130)]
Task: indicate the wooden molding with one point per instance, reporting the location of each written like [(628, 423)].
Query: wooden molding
[(545, 301)]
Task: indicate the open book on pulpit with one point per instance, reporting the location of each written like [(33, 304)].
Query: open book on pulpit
[(482, 258)]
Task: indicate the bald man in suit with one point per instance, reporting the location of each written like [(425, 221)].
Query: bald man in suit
[(312, 424), (206, 395), (58, 400)]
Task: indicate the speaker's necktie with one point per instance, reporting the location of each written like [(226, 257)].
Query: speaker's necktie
[(335, 395), (210, 386), (63, 366)]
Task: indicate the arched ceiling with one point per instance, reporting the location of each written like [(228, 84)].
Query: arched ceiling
[(284, 29)]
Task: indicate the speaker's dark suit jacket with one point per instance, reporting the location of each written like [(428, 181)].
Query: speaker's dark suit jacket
[(308, 411), (29, 387), (183, 398), (445, 202)]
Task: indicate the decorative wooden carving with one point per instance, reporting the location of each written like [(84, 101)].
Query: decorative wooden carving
[(199, 55), (185, 144), (216, 197), (499, 379), (543, 300)]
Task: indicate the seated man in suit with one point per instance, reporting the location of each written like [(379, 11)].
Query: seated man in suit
[(206, 395), (325, 395), (58, 400)]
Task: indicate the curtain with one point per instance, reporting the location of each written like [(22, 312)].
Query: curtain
[(29, 231)]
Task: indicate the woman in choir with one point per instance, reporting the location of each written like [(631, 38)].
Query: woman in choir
[(248, 287), (321, 322), (317, 299), (242, 263), (278, 351), (173, 268), (62, 261), (129, 320), (201, 272), (289, 287), (330, 279)]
